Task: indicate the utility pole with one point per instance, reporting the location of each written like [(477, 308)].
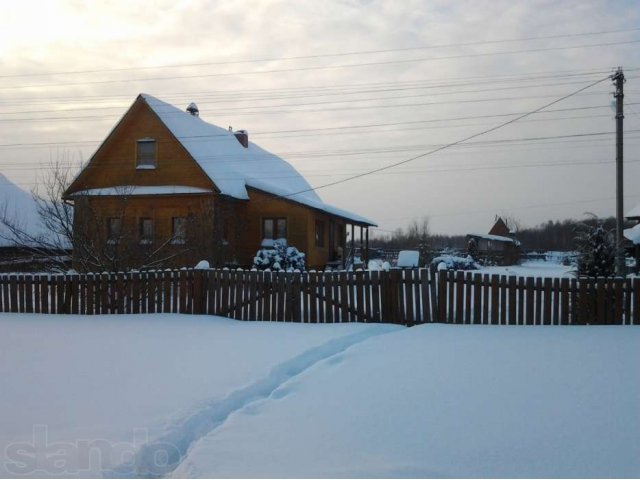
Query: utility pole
[(618, 80)]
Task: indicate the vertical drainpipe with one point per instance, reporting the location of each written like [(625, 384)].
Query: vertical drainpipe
[(366, 255), (353, 243)]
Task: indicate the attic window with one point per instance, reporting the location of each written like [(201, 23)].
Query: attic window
[(146, 150)]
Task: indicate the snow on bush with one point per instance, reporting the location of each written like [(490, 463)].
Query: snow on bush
[(202, 265), (450, 262), (379, 265), (279, 257), (596, 251)]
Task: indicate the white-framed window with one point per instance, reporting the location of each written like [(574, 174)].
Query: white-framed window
[(146, 153), (114, 229), (146, 230), (179, 230), (274, 228)]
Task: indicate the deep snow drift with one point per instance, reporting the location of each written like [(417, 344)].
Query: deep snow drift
[(216, 397)]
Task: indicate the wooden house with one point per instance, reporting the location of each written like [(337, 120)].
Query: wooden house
[(499, 245), (167, 188)]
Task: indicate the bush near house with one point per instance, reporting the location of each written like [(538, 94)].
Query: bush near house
[(279, 256)]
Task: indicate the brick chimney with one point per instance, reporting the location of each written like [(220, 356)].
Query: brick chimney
[(243, 137)]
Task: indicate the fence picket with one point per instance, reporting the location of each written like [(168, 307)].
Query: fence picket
[(407, 297), (327, 278), (618, 285), (627, 302), (485, 299), (296, 306), (13, 293), (375, 296), (495, 299), (538, 294), (28, 287), (409, 312), (267, 292), (6, 302), (477, 298), (468, 290), (367, 286), (345, 315), (636, 307), (359, 290), (529, 288), (546, 315), (555, 319), (459, 315), (513, 290)]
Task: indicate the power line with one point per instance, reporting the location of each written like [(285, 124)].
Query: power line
[(320, 67), (94, 107), (324, 55), (450, 82), (260, 158), (298, 111), (345, 130), (484, 132), (416, 171)]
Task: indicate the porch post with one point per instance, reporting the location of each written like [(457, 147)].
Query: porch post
[(366, 255), (353, 241)]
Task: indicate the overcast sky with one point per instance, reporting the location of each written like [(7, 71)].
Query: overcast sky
[(341, 88)]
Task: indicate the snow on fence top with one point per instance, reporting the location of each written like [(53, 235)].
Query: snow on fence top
[(233, 168)]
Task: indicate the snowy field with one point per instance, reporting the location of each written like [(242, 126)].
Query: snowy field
[(533, 269), (211, 397)]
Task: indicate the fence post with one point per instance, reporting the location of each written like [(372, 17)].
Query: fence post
[(442, 296), (198, 292)]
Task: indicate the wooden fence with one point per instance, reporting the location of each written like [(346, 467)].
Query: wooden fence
[(405, 297)]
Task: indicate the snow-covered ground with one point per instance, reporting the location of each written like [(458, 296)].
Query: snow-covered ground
[(225, 398), (533, 269)]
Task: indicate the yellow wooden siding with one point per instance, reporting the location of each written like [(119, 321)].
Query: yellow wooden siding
[(114, 163)]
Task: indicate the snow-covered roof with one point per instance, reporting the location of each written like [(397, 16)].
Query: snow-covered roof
[(143, 190), (497, 238), (633, 234), (634, 212), (21, 211), (233, 167)]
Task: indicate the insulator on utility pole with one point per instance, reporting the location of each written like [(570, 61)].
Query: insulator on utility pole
[(618, 80)]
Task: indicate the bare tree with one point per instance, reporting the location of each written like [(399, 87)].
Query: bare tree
[(52, 240), (85, 236)]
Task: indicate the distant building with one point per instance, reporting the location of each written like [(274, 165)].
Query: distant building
[(499, 245)]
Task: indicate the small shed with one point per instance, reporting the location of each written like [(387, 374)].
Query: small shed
[(499, 245)]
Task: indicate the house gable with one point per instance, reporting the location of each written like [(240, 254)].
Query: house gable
[(114, 163), (500, 228)]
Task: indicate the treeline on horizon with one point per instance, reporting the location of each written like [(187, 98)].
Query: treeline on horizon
[(550, 235)]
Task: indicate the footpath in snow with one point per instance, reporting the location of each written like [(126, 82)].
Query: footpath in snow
[(446, 401), (103, 388), (179, 395)]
